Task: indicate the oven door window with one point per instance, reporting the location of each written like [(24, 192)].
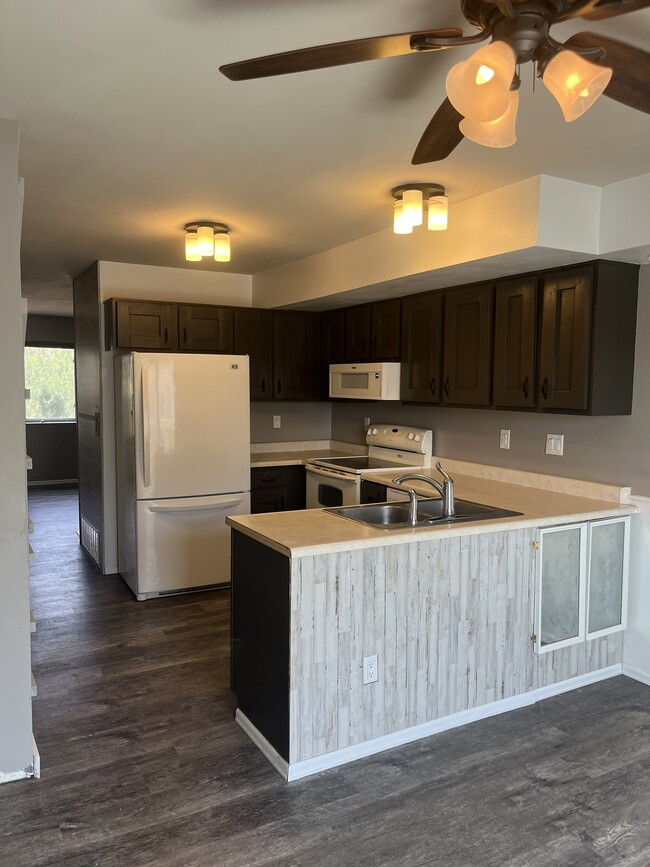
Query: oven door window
[(328, 495)]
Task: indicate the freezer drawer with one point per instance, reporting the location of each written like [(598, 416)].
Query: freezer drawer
[(184, 543)]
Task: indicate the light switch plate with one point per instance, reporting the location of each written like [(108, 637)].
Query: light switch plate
[(277, 421), (504, 439), (554, 444)]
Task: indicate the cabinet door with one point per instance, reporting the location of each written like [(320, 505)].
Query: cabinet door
[(386, 330), (253, 336), (561, 587), (565, 341), (515, 329), (372, 492), (289, 356), (468, 346), (358, 326), (332, 345), (145, 325), (421, 344), (609, 543), (204, 328)]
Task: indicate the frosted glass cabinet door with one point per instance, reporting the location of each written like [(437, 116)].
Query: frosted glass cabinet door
[(561, 587), (607, 578)]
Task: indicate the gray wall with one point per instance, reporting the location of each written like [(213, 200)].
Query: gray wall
[(607, 449), (300, 421)]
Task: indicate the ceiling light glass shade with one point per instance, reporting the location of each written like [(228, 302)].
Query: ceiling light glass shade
[(401, 225), (222, 247), (205, 235), (412, 207), (479, 88), (575, 82), (437, 217), (192, 247), (499, 133)]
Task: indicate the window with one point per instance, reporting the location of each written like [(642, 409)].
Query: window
[(49, 376)]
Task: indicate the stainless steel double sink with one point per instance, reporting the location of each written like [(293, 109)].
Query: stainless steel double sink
[(394, 516)]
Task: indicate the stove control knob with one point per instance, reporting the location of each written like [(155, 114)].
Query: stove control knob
[(417, 438), (411, 436), (374, 431)]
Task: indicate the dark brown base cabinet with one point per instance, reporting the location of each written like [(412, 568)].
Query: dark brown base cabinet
[(277, 489)]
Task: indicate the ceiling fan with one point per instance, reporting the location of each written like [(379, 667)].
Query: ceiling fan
[(482, 96)]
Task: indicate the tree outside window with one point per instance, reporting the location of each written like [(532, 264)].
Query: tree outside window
[(49, 376)]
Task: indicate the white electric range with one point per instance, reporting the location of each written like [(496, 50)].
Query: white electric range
[(337, 481)]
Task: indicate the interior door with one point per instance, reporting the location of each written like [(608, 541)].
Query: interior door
[(192, 425)]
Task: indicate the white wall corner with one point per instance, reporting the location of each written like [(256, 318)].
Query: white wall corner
[(569, 216), (624, 220)]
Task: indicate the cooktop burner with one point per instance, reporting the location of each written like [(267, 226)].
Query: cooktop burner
[(358, 463)]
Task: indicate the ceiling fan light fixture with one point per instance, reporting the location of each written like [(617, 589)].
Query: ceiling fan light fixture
[(222, 246), (479, 88), (401, 224), (576, 83), (499, 133), (438, 210), (207, 239)]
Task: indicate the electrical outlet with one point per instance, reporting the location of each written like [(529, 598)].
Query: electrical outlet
[(366, 423), (504, 439), (370, 669), (554, 444), (277, 421)]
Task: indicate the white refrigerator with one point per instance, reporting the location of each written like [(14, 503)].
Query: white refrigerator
[(183, 465)]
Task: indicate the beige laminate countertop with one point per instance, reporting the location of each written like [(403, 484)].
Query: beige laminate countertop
[(543, 503)]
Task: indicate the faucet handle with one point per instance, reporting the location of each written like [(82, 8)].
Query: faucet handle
[(445, 475)]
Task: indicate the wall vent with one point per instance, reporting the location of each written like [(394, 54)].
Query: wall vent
[(90, 539)]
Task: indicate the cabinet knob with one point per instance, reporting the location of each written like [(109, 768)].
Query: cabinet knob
[(263, 386), (446, 386), (166, 336), (432, 385), (184, 335), (524, 387), (535, 545)]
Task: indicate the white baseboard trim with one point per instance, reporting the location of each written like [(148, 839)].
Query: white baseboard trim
[(36, 761), (262, 744), (636, 673), (12, 776), (415, 733)]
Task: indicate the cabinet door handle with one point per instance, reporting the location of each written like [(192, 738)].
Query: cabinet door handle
[(279, 386), (263, 386), (447, 386), (185, 335), (524, 388), (432, 385), (545, 388), (166, 336)]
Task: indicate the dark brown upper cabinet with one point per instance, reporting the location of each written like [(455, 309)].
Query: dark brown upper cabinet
[(204, 328), (386, 320), (143, 324), (332, 345), (358, 333), (515, 343), (296, 354), (467, 352), (253, 336), (421, 348), (588, 328)]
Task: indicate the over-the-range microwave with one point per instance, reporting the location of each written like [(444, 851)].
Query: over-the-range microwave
[(367, 380)]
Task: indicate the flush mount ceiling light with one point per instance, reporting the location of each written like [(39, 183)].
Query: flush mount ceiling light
[(410, 201), (205, 238), (479, 90)]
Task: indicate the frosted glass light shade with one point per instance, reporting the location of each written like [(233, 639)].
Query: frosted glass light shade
[(222, 247), (479, 88), (575, 82), (438, 210), (192, 247), (412, 206), (499, 133), (205, 236), (401, 224)]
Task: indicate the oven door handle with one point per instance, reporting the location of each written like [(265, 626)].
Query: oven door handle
[(333, 474)]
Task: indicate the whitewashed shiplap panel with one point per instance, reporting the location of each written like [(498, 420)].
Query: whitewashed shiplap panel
[(450, 621)]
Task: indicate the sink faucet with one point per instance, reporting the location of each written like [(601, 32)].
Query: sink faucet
[(446, 491)]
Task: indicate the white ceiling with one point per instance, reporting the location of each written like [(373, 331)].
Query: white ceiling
[(129, 130)]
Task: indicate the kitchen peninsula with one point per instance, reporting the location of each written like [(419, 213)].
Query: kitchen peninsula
[(450, 612)]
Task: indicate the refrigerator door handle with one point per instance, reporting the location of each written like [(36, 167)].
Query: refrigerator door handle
[(146, 456), (194, 507)]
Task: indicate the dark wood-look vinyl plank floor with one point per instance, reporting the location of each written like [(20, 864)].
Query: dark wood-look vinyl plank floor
[(142, 763)]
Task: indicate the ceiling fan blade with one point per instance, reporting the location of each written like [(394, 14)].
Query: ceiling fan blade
[(630, 81), (598, 10), (335, 54), (440, 137)]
